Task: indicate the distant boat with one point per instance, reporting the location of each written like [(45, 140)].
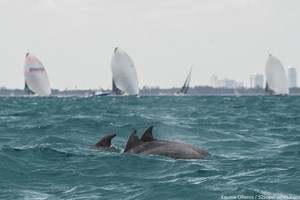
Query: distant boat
[(100, 93), (125, 79), (36, 77), (276, 79), (184, 89)]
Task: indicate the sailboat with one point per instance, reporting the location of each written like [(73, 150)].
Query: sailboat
[(276, 79), (184, 89), (36, 77), (125, 79)]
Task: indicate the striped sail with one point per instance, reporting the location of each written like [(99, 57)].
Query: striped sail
[(36, 77)]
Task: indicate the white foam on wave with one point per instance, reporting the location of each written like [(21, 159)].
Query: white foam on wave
[(30, 194)]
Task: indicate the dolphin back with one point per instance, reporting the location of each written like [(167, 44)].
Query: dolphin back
[(132, 141), (105, 143), (147, 135), (148, 145)]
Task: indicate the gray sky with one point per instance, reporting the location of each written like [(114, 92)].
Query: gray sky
[(75, 39)]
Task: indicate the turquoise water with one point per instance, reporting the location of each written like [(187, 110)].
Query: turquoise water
[(254, 144)]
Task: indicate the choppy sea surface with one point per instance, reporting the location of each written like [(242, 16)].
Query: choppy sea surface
[(254, 144)]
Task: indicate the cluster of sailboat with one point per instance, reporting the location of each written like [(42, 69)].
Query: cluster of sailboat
[(125, 78)]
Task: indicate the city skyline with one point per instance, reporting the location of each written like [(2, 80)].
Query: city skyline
[(75, 39), (256, 80)]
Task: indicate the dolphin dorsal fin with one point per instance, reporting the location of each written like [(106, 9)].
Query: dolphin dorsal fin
[(147, 136), (105, 141), (132, 141)]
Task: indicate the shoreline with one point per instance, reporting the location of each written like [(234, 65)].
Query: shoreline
[(195, 91)]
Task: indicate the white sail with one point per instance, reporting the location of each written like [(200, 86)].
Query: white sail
[(36, 77), (124, 73), (276, 78)]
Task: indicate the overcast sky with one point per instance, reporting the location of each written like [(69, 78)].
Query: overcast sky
[(75, 39)]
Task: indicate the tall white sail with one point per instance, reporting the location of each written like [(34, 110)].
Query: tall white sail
[(276, 79), (124, 73), (36, 77)]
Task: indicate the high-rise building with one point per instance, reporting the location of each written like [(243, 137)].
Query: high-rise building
[(256, 81), (224, 83), (292, 77)]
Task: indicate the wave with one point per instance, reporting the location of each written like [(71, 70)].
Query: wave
[(45, 147)]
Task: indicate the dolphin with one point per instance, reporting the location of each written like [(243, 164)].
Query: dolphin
[(148, 145), (104, 144)]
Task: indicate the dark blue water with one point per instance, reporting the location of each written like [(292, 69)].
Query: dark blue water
[(254, 144)]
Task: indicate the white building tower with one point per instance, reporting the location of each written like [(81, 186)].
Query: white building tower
[(292, 76), (214, 81), (256, 80)]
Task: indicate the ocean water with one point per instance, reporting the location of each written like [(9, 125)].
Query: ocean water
[(254, 144)]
